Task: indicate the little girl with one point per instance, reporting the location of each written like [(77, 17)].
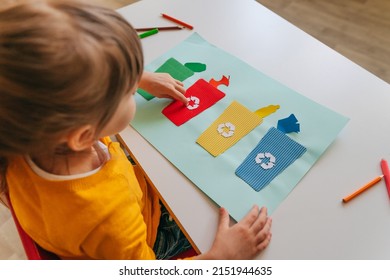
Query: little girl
[(68, 74)]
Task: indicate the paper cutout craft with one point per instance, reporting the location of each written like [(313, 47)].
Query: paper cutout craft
[(196, 66), (223, 81), (272, 155), (216, 177), (266, 160), (232, 125), (289, 124), (145, 94), (201, 95), (173, 67), (266, 111), (194, 102), (226, 129)]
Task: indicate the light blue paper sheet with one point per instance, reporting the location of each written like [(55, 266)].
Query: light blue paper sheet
[(215, 176)]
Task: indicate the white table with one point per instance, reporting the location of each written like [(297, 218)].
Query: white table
[(311, 223)]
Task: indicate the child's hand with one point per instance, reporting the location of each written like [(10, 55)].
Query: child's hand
[(243, 240), (163, 85)]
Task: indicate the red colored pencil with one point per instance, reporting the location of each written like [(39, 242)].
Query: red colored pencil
[(177, 21)]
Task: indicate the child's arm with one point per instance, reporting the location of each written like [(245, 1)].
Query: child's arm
[(163, 85), (243, 240)]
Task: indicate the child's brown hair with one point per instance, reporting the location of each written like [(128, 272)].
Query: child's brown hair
[(63, 64)]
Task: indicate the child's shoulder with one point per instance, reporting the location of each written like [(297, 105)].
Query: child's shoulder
[(106, 140), (113, 146)]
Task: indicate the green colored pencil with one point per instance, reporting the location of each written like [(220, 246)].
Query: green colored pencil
[(148, 33)]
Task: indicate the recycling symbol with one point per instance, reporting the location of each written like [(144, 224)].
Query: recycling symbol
[(266, 160), (194, 102), (226, 129)]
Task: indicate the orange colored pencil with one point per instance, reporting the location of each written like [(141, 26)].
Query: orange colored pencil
[(362, 189), (177, 21)]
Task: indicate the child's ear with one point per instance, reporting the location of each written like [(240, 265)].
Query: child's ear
[(81, 138)]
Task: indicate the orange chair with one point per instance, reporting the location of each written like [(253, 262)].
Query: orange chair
[(35, 252)]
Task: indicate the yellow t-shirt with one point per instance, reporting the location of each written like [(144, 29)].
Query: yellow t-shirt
[(112, 214)]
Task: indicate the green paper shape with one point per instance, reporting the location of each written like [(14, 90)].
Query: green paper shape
[(177, 70), (145, 94), (196, 66), (173, 67)]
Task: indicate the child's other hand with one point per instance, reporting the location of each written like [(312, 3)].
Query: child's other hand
[(163, 85), (243, 240)]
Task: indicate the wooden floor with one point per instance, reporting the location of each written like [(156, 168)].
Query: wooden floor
[(358, 29)]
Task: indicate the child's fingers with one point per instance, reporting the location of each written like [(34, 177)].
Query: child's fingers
[(251, 217), (223, 219), (264, 232), (177, 94), (260, 221), (180, 85), (180, 96), (262, 245)]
